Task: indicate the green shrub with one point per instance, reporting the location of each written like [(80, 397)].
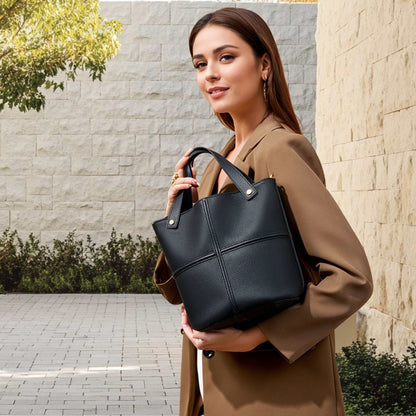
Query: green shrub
[(377, 383), (123, 265)]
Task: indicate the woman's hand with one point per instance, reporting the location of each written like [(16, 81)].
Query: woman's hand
[(227, 339), (182, 182)]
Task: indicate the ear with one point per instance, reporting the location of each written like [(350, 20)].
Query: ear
[(266, 66)]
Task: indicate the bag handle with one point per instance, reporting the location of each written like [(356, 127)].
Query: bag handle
[(183, 200)]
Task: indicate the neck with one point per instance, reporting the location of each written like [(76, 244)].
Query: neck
[(246, 123)]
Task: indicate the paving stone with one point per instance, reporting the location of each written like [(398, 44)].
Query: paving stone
[(89, 355)]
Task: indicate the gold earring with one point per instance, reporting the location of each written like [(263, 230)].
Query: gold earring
[(265, 90)]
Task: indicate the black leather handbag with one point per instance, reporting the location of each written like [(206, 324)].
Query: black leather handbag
[(231, 254)]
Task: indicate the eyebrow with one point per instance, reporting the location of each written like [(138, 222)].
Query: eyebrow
[(216, 50)]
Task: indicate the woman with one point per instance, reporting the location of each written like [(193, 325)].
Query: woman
[(239, 71)]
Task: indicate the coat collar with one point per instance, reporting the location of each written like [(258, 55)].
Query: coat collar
[(213, 169)]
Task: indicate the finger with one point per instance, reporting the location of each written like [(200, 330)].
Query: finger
[(182, 163)]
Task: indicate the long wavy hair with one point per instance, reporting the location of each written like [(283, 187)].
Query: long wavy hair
[(254, 30)]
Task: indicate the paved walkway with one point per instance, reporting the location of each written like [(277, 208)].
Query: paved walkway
[(89, 355)]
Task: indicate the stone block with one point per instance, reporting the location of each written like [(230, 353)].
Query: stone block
[(303, 14), (285, 35), (47, 165), (49, 145), (175, 56), (114, 90), (400, 131), (147, 126), (190, 108), (3, 190), (303, 96), (39, 185), (307, 118), (93, 188), (95, 166), (144, 164), (119, 10), (77, 144), (209, 126), (363, 174), (16, 166), (188, 12), (131, 71), (70, 109), (69, 220), (273, 14), (114, 145), (394, 170), (160, 34), (91, 90), (150, 12), (407, 246), (74, 126), (377, 325), (16, 188), (158, 90), (398, 78), (309, 74), (408, 296), (402, 338), (151, 192), (297, 54), (149, 51), (190, 89), (375, 88), (18, 145), (129, 109), (29, 127), (4, 219), (179, 126), (144, 219), (173, 147), (119, 215), (295, 74), (307, 35), (179, 76), (109, 126)]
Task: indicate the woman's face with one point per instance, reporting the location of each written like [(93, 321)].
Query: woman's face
[(228, 72)]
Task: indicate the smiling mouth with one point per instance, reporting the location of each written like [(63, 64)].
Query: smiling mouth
[(217, 92)]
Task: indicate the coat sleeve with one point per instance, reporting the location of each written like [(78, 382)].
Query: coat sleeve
[(165, 282), (345, 282)]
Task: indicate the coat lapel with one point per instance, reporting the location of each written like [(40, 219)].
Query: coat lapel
[(213, 169)]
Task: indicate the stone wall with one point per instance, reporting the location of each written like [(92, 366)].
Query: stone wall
[(366, 130), (101, 154)]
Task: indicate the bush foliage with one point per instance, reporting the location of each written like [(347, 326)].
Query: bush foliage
[(122, 265), (377, 383)]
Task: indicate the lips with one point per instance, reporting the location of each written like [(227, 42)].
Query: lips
[(216, 92)]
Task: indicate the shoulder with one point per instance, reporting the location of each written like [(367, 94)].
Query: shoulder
[(282, 143)]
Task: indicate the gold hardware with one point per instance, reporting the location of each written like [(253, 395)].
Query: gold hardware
[(171, 222), (249, 191), (271, 175)]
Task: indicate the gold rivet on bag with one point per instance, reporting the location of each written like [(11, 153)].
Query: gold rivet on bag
[(171, 222), (249, 191)]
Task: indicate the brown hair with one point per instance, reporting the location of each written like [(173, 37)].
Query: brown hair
[(254, 30)]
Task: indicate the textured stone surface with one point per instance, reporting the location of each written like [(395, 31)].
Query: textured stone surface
[(366, 133), (101, 154), (89, 354)]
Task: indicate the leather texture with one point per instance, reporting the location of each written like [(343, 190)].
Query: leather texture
[(232, 255)]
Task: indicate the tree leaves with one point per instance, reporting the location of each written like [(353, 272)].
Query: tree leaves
[(41, 38)]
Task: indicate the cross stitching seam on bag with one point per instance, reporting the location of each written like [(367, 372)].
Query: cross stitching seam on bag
[(220, 259), (225, 250)]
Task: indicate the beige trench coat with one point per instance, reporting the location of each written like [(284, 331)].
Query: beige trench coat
[(297, 375)]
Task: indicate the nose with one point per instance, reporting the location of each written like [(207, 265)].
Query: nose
[(211, 72)]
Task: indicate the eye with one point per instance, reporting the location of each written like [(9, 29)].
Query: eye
[(226, 58), (199, 65)]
